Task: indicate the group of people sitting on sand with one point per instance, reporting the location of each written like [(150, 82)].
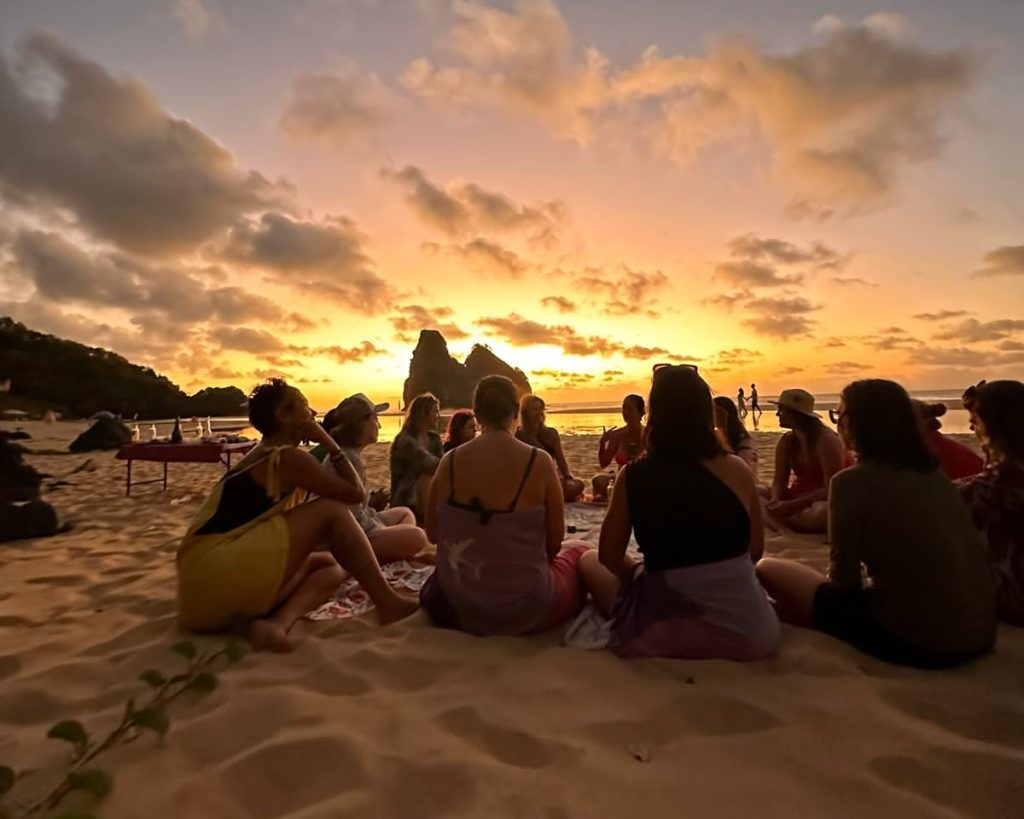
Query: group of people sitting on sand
[(921, 566)]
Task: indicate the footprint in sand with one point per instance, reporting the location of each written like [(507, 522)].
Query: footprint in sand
[(977, 784), (58, 580), (285, 777), (508, 745), (400, 673), (966, 716), (441, 789)]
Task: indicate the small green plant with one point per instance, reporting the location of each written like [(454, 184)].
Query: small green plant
[(84, 776)]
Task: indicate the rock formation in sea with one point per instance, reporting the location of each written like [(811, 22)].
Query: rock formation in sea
[(433, 369)]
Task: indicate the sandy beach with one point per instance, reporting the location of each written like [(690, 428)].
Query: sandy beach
[(413, 721)]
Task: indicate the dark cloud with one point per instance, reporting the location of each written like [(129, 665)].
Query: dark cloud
[(64, 273), (778, 251), (336, 108), (971, 330), (247, 340), (753, 274), (344, 355), (851, 281), (1003, 261), (103, 148), (727, 301), (523, 332), (782, 317), (490, 259), (941, 315), (327, 259), (464, 209), (412, 318), (559, 303), (844, 367)]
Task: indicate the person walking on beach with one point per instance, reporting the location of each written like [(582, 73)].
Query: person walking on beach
[(931, 601), (741, 403), (996, 496), (810, 454), (249, 557), (415, 453), (533, 431), (755, 408), (497, 515), (696, 515)]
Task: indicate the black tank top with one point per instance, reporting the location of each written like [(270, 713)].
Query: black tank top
[(242, 499), (683, 515)]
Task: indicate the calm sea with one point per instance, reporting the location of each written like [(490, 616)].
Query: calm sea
[(591, 419)]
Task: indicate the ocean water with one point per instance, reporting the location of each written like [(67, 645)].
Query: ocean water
[(591, 419)]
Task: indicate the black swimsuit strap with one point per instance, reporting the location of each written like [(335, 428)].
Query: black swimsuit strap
[(451, 476), (526, 474)]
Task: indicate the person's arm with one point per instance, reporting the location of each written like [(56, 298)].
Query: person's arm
[(844, 516), (780, 480), (615, 530), (749, 455), (559, 455), (422, 460), (302, 470), (608, 445), (554, 505)]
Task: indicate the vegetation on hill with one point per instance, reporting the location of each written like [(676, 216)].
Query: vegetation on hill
[(71, 378)]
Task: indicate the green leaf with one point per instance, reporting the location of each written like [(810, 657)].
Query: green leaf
[(236, 650), (186, 648), (70, 730), (92, 780), (152, 677), (152, 718), (204, 681), (7, 778)]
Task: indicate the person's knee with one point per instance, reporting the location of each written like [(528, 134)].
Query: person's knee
[(329, 578)]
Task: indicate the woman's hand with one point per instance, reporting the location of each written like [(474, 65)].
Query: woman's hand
[(785, 509), (318, 435), (379, 499)]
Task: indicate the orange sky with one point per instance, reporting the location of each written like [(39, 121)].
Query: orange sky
[(778, 196)]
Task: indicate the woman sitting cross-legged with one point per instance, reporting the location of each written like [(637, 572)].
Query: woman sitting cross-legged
[(497, 516), (392, 531), (248, 558), (414, 454), (533, 431), (996, 496), (930, 602), (696, 515)]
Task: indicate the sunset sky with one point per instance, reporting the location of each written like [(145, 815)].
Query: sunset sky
[(790, 192)]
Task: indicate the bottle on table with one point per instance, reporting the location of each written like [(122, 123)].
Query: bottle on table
[(176, 432)]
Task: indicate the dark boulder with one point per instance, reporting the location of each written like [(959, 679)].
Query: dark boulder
[(432, 369), (482, 362), (106, 433), (24, 520)]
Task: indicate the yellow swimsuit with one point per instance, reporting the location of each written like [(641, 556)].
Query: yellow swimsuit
[(236, 574)]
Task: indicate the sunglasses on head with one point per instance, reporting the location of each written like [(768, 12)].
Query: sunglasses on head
[(659, 367), (970, 395)]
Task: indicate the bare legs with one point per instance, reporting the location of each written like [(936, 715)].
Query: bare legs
[(309, 527), (600, 485), (792, 586), (400, 542), (600, 582)]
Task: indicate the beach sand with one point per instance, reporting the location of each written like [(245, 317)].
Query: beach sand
[(413, 721)]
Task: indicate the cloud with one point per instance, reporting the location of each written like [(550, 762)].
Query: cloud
[(412, 318), (344, 355), (847, 281), (465, 208), (523, 332), (841, 117), (327, 258), (950, 356), (1003, 261), (625, 291), (727, 301), (64, 273), (971, 330), (559, 303), (778, 251), (940, 315), (101, 147), (752, 274), (194, 18), (783, 317), (247, 340), (844, 367), (336, 108), (490, 259)]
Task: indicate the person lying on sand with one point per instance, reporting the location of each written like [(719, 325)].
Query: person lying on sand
[(392, 532), (955, 459), (811, 454), (533, 431), (248, 557), (931, 602), (620, 445), (497, 516), (415, 453), (996, 496), (462, 427), (696, 515), (733, 434)]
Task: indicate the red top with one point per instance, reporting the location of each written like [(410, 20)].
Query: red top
[(955, 459)]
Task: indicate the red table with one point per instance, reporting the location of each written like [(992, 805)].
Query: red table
[(205, 452)]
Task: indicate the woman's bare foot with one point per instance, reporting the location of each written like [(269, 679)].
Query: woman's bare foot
[(267, 636), (397, 609)]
